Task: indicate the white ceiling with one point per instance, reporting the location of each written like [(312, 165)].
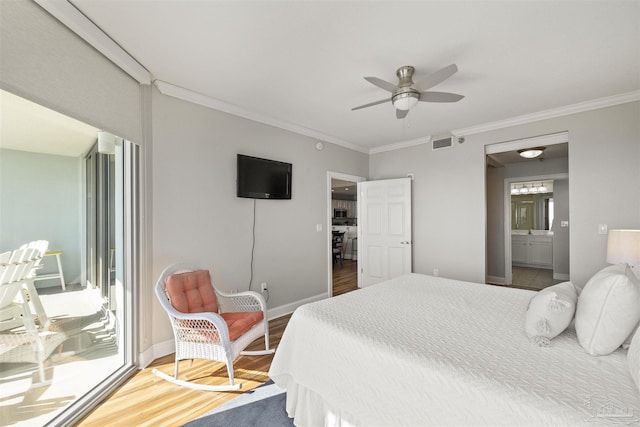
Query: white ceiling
[(303, 63), (27, 126)]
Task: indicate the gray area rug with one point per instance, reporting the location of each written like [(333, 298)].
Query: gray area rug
[(262, 406)]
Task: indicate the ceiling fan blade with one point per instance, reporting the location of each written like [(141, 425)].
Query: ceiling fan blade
[(440, 97), (437, 77), (371, 104), (389, 87), (401, 114)]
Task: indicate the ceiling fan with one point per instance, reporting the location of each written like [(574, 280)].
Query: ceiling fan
[(407, 93)]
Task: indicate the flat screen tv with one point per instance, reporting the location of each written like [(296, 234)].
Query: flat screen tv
[(263, 178)]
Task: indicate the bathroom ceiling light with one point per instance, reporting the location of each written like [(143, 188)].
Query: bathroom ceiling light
[(531, 153)]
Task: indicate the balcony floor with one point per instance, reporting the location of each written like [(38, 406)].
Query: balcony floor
[(82, 350)]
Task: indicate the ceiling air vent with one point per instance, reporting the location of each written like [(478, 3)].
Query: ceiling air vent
[(442, 142)]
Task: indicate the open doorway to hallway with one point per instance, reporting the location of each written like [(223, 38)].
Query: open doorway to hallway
[(343, 245)]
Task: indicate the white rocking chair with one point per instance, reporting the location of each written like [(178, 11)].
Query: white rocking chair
[(209, 324)]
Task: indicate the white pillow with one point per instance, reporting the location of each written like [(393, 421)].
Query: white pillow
[(550, 311), (633, 357), (608, 309), (627, 342)]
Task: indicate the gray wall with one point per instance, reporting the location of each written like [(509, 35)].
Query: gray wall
[(561, 235), (449, 207), (198, 218), (41, 200)]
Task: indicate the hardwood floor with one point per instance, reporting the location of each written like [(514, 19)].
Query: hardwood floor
[(345, 279), (146, 400)]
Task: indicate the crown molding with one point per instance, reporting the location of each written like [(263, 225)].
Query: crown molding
[(608, 101), (580, 107), (213, 103), (401, 144), (66, 13)]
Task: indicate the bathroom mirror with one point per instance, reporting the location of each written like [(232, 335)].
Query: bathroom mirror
[(532, 205)]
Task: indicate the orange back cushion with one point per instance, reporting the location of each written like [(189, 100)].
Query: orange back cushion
[(191, 292)]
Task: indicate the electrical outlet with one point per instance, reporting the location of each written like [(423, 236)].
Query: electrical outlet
[(263, 286)]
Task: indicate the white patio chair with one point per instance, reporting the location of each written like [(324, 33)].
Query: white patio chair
[(41, 247), (24, 342), (209, 324), (16, 279), (12, 308), (5, 257)]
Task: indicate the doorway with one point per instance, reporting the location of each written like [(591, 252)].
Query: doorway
[(535, 237), (342, 232), (528, 212)]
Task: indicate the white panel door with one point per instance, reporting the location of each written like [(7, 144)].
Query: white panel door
[(384, 228)]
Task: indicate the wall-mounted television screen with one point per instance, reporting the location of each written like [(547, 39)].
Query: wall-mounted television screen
[(263, 179)]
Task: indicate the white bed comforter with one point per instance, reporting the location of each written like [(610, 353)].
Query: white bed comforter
[(421, 350)]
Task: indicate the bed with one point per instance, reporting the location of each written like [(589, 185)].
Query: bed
[(422, 350)]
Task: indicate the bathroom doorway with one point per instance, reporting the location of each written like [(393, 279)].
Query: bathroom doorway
[(528, 212), (532, 232)]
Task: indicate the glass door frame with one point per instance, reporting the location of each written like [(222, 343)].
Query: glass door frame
[(128, 271)]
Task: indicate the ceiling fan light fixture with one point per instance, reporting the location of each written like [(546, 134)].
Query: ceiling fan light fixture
[(531, 153), (405, 100)]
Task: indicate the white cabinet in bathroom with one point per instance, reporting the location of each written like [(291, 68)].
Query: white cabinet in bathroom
[(519, 249), (532, 250)]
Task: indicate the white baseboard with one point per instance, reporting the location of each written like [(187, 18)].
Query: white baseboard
[(560, 276), (283, 310), (155, 351), (167, 347)]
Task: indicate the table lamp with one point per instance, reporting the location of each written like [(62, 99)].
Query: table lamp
[(623, 246)]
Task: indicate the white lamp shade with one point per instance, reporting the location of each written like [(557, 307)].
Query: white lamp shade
[(623, 246)]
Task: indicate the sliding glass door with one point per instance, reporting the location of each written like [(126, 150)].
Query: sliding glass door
[(104, 216), (67, 333)]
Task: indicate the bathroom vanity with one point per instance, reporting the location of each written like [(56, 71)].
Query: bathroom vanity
[(532, 248)]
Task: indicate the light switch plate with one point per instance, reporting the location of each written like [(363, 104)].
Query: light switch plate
[(602, 228)]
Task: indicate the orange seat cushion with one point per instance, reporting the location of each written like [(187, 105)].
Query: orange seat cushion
[(191, 292), (241, 322)]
